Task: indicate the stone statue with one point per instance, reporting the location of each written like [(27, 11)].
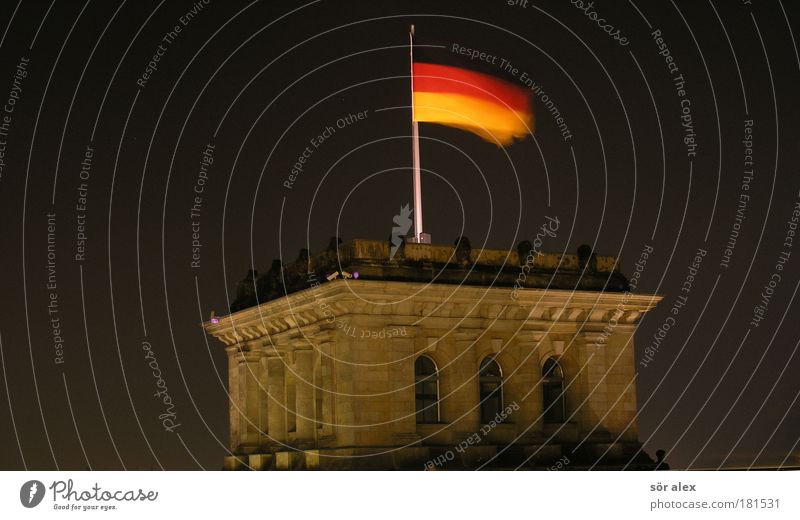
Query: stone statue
[(270, 285), (245, 291), (334, 243), (463, 249), (587, 259), (523, 250)]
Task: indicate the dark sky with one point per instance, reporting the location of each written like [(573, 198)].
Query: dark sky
[(258, 81)]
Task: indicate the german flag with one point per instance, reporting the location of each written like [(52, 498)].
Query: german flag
[(494, 109)]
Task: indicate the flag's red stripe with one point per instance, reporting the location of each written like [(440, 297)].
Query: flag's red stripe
[(429, 77)]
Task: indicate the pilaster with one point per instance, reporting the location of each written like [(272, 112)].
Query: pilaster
[(304, 395), (277, 399)]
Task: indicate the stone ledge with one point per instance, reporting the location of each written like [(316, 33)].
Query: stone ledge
[(603, 456), (458, 264)]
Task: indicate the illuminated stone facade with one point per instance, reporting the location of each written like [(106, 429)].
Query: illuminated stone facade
[(329, 376)]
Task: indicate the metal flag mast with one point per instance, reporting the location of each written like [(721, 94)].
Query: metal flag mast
[(419, 237)]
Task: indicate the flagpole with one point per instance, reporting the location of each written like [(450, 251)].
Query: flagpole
[(419, 237)]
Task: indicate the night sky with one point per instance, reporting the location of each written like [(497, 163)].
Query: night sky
[(103, 156)]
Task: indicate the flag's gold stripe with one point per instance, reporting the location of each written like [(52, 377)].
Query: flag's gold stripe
[(492, 121)]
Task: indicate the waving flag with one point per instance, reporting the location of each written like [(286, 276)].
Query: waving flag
[(450, 94), (496, 110)]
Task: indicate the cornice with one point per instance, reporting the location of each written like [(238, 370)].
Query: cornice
[(309, 312)]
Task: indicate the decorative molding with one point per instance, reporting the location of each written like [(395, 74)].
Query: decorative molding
[(466, 334), (309, 311), (530, 336), (432, 343), (592, 338)]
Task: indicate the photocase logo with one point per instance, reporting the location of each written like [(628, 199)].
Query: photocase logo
[(31, 493), (403, 224)]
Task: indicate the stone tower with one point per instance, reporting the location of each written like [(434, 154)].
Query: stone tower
[(436, 357)]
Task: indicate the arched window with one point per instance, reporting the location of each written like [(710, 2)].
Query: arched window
[(426, 388), (491, 383), (553, 392)]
